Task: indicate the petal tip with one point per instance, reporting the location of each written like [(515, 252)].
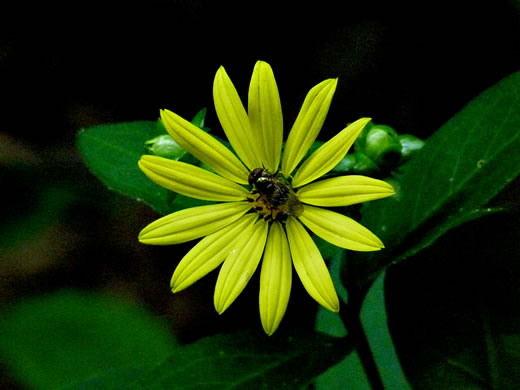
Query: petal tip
[(327, 84), (174, 283), (378, 245), (143, 240), (332, 306), (263, 63), (270, 326), (179, 286), (163, 112), (220, 310), (144, 236), (220, 306), (145, 159), (221, 71)]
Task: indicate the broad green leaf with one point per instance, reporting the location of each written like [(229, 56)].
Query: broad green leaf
[(374, 320), (244, 360), (112, 151), (248, 360), (432, 235), (349, 373), (455, 318), (56, 339), (133, 378), (327, 321), (461, 168)]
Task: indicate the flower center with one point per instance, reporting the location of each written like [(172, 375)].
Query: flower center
[(272, 196), (262, 205)]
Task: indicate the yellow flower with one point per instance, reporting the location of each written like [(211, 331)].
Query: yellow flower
[(261, 217)]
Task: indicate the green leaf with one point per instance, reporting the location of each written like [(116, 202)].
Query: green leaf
[(112, 151), (349, 373), (200, 118), (374, 321), (52, 340), (461, 168), (244, 360), (432, 235), (455, 320)]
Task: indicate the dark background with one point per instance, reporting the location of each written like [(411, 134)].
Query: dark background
[(411, 67)]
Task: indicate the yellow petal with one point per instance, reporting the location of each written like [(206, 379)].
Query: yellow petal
[(265, 115), (275, 279), (240, 265), (339, 230), (204, 147), (328, 155), (344, 191), (308, 124), (310, 266), (234, 120), (208, 254), (188, 224), (190, 180)]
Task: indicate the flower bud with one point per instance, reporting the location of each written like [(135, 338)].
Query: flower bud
[(346, 165), (164, 146), (364, 165), (382, 146)]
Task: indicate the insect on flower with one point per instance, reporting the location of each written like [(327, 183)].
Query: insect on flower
[(274, 198)]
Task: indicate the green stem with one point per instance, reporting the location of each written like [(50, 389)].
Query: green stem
[(491, 347), (350, 315)]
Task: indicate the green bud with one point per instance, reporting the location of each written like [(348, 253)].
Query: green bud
[(164, 146), (382, 146), (346, 165), (356, 164), (409, 145), (364, 165), (359, 144)]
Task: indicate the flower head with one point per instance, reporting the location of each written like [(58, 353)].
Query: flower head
[(267, 199)]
